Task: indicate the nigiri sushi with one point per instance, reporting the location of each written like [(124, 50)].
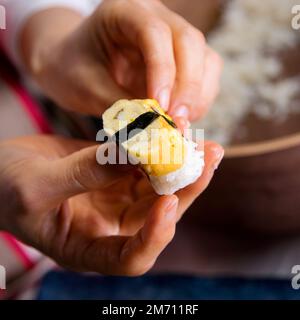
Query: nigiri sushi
[(150, 138)]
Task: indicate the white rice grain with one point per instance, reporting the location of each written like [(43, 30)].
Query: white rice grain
[(250, 36), (187, 174)]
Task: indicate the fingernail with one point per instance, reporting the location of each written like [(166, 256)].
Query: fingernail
[(219, 154), (164, 98), (181, 123), (171, 208), (184, 123), (181, 111)]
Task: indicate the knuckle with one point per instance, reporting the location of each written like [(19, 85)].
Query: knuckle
[(154, 25), (77, 173), (159, 64), (82, 174), (194, 85), (193, 35), (152, 28), (156, 62)]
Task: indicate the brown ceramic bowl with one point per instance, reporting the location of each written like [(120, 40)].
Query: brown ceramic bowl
[(257, 186)]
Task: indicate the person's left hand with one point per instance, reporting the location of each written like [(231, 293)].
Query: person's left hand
[(89, 217)]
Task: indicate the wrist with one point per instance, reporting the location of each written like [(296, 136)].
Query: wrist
[(41, 35)]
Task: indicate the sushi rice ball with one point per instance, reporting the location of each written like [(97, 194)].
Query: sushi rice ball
[(150, 138)]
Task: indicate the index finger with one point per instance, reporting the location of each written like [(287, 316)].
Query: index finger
[(213, 156), (132, 256), (153, 37)]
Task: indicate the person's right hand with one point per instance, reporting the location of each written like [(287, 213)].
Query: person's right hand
[(55, 197), (126, 49)]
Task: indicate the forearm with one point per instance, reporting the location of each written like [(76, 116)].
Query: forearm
[(18, 12)]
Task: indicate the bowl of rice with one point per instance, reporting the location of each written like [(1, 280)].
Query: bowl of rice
[(256, 117)]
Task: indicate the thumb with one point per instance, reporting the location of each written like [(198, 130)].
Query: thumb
[(80, 172)]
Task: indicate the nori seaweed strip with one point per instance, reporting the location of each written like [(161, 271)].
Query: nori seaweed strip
[(170, 122), (141, 122)]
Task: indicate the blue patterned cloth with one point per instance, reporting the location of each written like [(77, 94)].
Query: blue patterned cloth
[(63, 285)]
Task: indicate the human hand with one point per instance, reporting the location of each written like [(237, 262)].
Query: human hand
[(126, 49), (88, 217)]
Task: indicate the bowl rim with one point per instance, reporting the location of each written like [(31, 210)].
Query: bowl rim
[(262, 147)]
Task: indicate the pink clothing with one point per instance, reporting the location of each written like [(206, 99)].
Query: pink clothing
[(24, 265)]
